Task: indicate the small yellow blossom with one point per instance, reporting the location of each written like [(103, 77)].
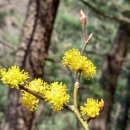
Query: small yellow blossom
[(29, 101), (37, 85), (89, 69), (91, 108), (56, 95), (70, 60), (13, 76), (77, 62)]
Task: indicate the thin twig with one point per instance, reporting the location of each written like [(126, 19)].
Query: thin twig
[(31, 92), (8, 45), (74, 107), (119, 19), (86, 42), (93, 52), (70, 107), (77, 114)]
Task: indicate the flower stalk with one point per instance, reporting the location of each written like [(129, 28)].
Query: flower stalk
[(85, 41), (76, 87), (77, 114)]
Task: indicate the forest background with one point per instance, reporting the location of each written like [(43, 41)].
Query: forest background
[(109, 50)]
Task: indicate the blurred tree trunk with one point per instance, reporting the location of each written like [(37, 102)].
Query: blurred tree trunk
[(126, 105), (31, 57), (111, 69)]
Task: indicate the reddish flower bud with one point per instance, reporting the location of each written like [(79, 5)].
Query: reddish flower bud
[(101, 105), (82, 18)]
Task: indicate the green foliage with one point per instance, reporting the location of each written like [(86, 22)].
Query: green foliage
[(61, 120), (3, 98), (3, 14), (13, 39)]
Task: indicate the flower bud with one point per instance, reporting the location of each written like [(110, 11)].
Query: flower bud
[(101, 105), (82, 18)]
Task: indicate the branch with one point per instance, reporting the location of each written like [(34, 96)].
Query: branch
[(2, 65), (70, 107), (8, 45), (119, 19), (86, 42), (93, 52), (77, 114), (31, 92)]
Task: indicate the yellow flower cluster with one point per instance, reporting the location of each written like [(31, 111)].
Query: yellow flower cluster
[(37, 85), (30, 101), (56, 95), (89, 69), (77, 62), (13, 76), (91, 108)]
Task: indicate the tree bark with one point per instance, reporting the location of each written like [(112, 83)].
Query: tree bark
[(125, 116), (31, 57), (111, 69)]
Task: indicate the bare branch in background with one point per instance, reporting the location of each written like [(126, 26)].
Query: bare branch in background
[(8, 45), (120, 18), (95, 53)]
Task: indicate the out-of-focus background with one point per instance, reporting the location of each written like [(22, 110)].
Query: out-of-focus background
[(34, 34)]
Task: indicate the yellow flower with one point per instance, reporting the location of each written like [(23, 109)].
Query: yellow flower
[(37, 85), (57, 95), (77, 62), (91, 108), (89, 69), (13, 76), (70, 60), (29, 101)]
